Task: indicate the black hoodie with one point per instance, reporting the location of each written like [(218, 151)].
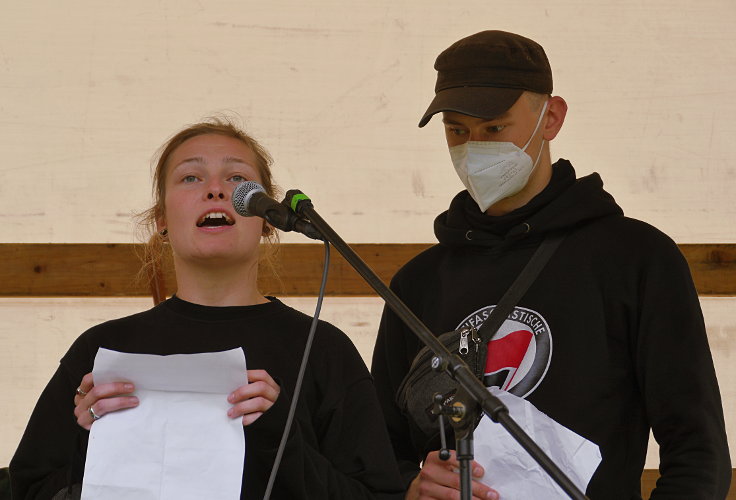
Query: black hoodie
[(609, 340), (337, 447)]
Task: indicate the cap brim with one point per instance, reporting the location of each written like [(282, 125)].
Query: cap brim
[(481, 102)]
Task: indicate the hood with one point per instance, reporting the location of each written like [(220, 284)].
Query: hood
[(565, 203)]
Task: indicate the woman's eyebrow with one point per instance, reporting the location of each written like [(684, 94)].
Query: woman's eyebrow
[(193, 159), (234, 159), (201, 161)]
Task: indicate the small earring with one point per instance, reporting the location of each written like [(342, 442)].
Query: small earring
[(163, 233)]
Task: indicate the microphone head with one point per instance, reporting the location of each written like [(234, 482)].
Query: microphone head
[(242, 195)]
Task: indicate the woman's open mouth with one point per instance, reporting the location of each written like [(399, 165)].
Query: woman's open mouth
[(215, 219)]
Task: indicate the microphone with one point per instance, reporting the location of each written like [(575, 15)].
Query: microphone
[(251, 200)]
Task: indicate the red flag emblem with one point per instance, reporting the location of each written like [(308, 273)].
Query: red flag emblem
[(506, 354)]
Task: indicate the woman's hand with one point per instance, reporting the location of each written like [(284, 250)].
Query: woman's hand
[(96, 401), (250, 401), (440, 479)]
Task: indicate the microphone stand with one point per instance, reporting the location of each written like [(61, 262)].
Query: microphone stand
[(463, 426), (463, 416), (446, 361)]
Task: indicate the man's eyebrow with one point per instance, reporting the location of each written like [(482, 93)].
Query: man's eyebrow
[(499, 117)]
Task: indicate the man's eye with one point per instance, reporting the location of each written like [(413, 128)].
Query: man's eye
[(457, 131), (496, 128)]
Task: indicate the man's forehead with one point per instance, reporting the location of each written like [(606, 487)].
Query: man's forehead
[(455, 118)]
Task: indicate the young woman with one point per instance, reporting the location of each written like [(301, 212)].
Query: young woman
[(338, 446)]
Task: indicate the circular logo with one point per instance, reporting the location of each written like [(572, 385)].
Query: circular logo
[(519, 353)]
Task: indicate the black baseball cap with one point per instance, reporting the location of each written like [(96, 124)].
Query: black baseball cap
[(484, 74)]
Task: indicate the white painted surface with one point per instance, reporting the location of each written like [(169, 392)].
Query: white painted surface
[(335, 89), (35, 333)]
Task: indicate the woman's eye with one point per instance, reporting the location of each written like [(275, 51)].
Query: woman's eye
[(189, 178), (238, 178), (496, 128), (457, 131)]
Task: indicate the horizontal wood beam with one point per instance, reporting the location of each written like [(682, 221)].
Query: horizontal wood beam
[(110, 270)]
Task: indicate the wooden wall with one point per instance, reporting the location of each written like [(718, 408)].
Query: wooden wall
[(110, 270)]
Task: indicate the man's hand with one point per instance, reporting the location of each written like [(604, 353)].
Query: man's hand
[(440, 479)]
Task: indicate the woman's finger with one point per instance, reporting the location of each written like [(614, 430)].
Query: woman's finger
[(84, 387), (253, 399), (262, 376), (252, 405), (110, 390), (250, 418), (93, 402), (87, 383), (259, 388), (109, 405), (87, 414)]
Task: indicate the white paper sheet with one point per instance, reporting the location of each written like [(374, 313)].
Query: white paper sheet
[(512, 472), (178, 443)]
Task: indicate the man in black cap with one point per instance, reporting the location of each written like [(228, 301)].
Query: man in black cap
[(609, 340)]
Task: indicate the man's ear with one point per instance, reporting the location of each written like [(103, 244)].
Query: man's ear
[(556, 111)]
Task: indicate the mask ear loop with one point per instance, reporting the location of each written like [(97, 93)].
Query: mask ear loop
[(539, 121)]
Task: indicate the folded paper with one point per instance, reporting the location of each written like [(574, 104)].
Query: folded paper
[(512, 472), (178, 443)]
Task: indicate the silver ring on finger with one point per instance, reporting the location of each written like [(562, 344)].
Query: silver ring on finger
[(93, 414), (81, 392)]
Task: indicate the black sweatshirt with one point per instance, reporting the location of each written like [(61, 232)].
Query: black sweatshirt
[(609, 340), (338, 446)]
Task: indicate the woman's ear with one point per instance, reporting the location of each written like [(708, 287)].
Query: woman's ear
[(556, 111), (160, 225)]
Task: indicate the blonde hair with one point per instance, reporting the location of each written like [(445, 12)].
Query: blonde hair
[(155, 249)]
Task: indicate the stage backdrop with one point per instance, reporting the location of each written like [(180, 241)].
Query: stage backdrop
[(334, 89)]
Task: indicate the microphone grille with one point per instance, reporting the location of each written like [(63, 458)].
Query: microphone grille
[(242, 194)]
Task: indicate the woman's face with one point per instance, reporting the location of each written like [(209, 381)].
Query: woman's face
[(202, 225)]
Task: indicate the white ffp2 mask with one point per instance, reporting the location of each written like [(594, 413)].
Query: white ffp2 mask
[(491, 170)]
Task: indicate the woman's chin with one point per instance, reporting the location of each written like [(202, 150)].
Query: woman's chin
[(214, 256)]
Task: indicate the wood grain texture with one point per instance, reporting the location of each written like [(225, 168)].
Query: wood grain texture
[(713, 268), (101, 270)]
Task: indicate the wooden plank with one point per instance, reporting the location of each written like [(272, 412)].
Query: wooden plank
[(650, 476), (713, 267), (73, 270), (101, 270)]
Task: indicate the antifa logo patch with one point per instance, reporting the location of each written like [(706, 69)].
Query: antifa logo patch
[(520, 352)]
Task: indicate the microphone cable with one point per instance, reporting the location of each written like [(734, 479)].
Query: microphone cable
[(300, 377)]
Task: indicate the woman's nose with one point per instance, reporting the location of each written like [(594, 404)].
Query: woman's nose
[(215, 190)]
